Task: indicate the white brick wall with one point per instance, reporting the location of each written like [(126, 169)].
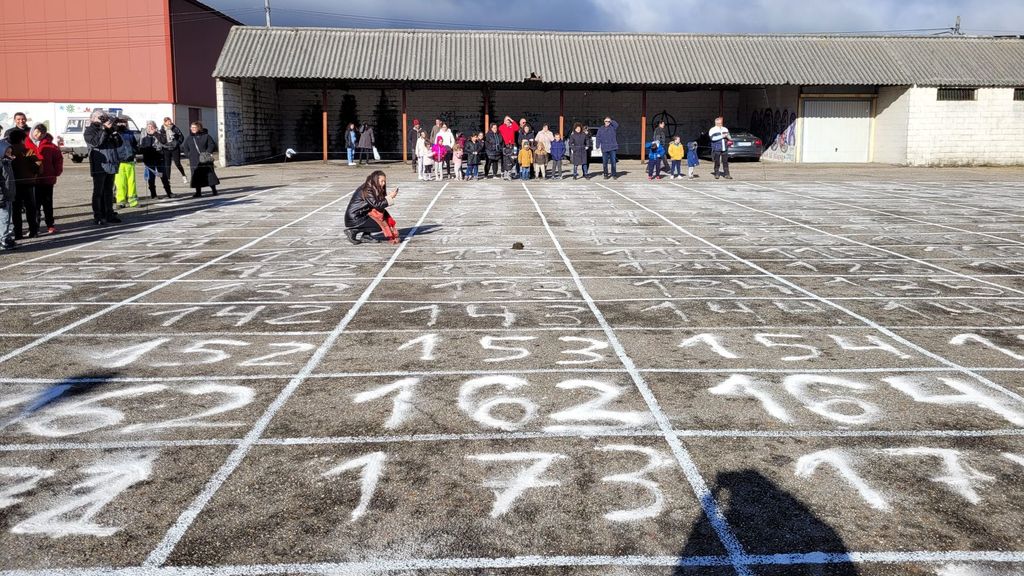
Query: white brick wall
[(986, 131)]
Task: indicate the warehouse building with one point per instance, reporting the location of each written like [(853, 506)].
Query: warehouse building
[(900, 100), (146, 60)]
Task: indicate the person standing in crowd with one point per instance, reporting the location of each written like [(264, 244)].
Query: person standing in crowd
[(676, 153), (124, 180), (525, 160), (367, 211), (557, 155), (20, 123), (579, 145), (540, 160), (152, 148), (654, 157), (172, 150), (474, 149), (103, 143), (720, 142), (438, 152), (365, 144), (493, 144), (414, 138), (545, 136), (424, 155), (351, 139), (691, 159), (435, 130), (51, 167), (448, 141), (25, 166), (457, 152), (509, 131), (200, 147), (608, 142), (661, 135), (7, 192)]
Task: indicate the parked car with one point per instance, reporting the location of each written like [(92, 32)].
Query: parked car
[(72, 142), (744, 145)]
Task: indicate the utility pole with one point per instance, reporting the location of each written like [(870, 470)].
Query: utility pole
[(266, 8)]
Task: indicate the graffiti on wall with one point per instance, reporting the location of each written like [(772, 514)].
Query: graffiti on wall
[(777, 129)]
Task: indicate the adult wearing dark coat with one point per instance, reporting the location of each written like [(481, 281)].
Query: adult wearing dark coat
[(153, 145), (104, 163), (661, 135), (414, 137), (172, 151), (579, 143), (365, 145), (493, 144), (367, 210), (198, 142), (608, 142)]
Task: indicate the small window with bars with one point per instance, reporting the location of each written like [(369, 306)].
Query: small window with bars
[(1018, 94), (957, 94)]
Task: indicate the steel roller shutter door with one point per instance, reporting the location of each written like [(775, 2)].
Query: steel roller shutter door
[(836, 130)]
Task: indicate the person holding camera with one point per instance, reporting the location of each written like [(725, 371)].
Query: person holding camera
[(104, 163), (200, 146)]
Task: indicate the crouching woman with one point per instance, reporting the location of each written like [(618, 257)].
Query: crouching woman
[(367, 211)]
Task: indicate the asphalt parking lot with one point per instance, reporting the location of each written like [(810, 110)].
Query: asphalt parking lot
[(800, 371)]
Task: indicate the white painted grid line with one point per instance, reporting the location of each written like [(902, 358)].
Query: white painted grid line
[(711, 508), (831, 302), (448, 564), (163, 550), (485, 437)]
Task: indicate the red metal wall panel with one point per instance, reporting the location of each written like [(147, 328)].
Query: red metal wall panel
[(76, 51), (197, 37)]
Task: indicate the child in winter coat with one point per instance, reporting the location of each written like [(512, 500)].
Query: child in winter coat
[(654, 156), (540, 160), (509, 156), (557, 155), (457, 151), (440, 152), (525, 161), (676, 153), (691, 159), (423, 155), (474, 150), (50, 168)]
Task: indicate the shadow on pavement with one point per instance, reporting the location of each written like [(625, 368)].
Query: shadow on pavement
[(767, 520), (84, 230)]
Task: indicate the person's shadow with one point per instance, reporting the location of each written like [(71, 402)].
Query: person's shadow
[(767, 520)]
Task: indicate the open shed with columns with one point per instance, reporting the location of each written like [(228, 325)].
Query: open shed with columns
[(901, 100)]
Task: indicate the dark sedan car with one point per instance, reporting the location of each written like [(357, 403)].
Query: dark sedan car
[(744, 145)]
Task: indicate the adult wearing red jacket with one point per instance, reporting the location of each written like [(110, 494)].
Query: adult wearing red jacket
[(51, 167), (508, 131)]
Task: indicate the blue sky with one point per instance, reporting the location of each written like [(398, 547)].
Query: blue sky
[(983, 17)]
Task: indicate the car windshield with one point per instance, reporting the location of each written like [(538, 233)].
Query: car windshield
[(76, 125)]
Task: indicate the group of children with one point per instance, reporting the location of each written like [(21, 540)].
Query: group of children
[(531, 158), (463, 159), (676, 152)]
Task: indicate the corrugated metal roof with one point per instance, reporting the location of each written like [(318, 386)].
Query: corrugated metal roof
[(595, 58)]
